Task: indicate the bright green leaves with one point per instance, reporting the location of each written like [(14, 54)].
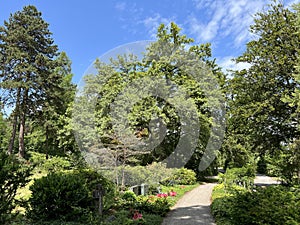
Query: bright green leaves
[(164, 98), (256, 109)]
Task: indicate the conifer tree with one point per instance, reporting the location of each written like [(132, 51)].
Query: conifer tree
[(26, 67)]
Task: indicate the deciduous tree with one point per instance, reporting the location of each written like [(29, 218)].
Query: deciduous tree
[(259, 121)]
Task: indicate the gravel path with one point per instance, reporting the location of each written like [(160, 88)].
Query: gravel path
[(262, 180), (193, 208)]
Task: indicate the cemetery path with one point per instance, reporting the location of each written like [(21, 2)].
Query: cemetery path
[(262, 180), (193, 208)]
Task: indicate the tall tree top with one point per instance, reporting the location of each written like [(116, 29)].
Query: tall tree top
[(27, 31)]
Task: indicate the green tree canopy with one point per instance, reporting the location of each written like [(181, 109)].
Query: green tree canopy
[(259, 121), (126, 110)]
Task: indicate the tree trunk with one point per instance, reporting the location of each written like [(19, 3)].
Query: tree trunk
[(123, 170), (47, 144), (23, 112), (15, 122), (117, 171), (13, 134), (21, 136)]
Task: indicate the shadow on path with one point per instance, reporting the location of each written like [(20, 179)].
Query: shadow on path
[(192, 215), (193, 208)]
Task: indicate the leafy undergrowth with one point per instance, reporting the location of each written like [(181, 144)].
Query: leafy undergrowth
[(129, 209), (120, 209), (270, 205), (24, 193), (41, 167), (150, 209)]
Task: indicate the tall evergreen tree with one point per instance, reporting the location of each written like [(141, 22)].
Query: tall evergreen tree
[(47, 132), (26, 65)]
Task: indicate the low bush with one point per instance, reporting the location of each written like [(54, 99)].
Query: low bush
[(271, 205), (243, 176), (67, 196), (146, 204), (153, 205), (180, 176), (58, 196), (126, 217), (129, 196), (12, 177)]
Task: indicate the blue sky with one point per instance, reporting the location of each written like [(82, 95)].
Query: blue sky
[(87, 29)]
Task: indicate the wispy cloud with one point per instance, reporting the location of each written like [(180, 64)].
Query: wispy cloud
[(128, 14), (224, 18), (292, 2), (227, 63), (120, 6), (151, 23)]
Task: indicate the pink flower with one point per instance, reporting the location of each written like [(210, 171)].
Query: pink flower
[(137, 215), (172, 193), (162, 195)]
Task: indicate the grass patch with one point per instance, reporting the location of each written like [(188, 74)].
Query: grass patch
[(24, 193), (180, 191)]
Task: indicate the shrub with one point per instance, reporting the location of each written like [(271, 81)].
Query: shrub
[(154, 189), (243, 176), (68, 195), (124, 217), (54, 163), (12, 177), (92, 178), (135, 175), (59, 196), (180, 176), (129, 196), (145, 204), (153, 205), (271, 205)]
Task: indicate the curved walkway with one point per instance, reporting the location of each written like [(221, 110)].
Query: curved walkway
[(193, 208)]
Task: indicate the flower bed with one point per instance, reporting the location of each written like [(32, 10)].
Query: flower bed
[(132, 209)]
